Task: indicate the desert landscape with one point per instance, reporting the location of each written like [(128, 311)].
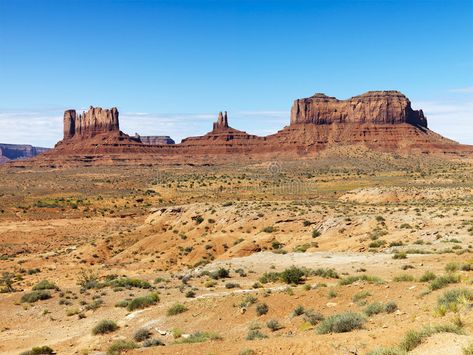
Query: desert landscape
[(237, 177), (110, 245)]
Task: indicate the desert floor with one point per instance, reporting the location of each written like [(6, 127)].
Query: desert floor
[(187, 259)]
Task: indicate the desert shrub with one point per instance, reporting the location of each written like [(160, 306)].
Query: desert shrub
[(312, 317), (175, 309), (120, 345), (374, 308), (269, 229), (452, 267), (341, 323), (105, 326), (414, 338), (190, 294), (122, 303), (221, 273), (400, 255), (326, 273), (45, 285), (231, 285), (390, 307), (443, 281), (254, 334), (403, 278), (269, 277), (360, 296), (428, 276), (468, 350), (127, 282), (141, 335), (248, 300), (152, 342), (261, 308), (451, 298), (332, 293), (273, 325), (199, 337), (88, 279), (38, 350), (299, 310), (292, 275), (143, 302), (34, 296), (368, 278), (316, 233)]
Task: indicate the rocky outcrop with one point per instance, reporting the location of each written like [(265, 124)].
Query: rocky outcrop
[(155, 140), (222, 122), (20, 151), (376, 120), (375, 107), (88, 124)]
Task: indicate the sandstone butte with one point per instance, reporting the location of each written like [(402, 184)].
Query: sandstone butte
[(379, 120)]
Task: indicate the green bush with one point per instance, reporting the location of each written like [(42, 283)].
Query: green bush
[(273, 325), (316, 233), (221, 273), (39, 350), (34, 296), (119, 346), (428, 276), (341, 323), (261, 308), (360, 296), (312, 317), (45, 285), (105, 326), (443, 281), (404, 278), (176, 308), (143, 302), (368, 278), (141, 335), (455, 296), (390, 307), (400, 255), (152, 342), (374, 308), (299, 310), (199, 337), (326, 273), (254, 334), (127, 282), (292, 275)]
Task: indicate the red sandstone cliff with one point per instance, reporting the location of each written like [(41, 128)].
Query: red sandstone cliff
[(377, 107), (379, 120)]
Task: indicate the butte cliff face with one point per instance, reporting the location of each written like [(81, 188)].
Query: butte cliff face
[(378, 120), (19, 151), (88, 124), (375, 107)]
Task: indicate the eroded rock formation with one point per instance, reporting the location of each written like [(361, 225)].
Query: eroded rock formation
[(378, 120), (88, 124), (376, 107)]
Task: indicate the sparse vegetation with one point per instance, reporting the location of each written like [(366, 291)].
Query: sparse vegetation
[(105, 326)]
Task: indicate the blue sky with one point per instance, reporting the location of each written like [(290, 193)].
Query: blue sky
[(170, 66)]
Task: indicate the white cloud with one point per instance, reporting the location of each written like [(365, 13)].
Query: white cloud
[(465, 90), (452, 119)]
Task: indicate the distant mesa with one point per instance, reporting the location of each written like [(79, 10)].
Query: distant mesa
[(155, 140), (376, 107), (378, 120), (19, 151)]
